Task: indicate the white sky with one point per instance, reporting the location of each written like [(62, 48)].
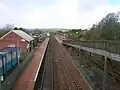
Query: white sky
[(54, 13)]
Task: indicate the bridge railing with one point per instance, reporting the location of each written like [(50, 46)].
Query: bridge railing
[(109, 46)]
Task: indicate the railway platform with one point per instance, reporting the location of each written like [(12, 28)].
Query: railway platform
[(27, 80)]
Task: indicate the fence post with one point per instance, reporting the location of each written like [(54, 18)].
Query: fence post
[(105, 74)]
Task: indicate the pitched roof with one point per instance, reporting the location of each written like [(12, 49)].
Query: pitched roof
[(21, 34)]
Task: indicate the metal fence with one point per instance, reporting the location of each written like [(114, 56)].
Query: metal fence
[(109, 46), (8, 84), (8, 60)]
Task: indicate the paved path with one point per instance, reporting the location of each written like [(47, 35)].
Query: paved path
[(27, 79)]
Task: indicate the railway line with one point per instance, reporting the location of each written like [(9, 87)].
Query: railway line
[(58, 67), (70, 77)]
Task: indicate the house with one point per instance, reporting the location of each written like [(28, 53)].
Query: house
[(17, 38)]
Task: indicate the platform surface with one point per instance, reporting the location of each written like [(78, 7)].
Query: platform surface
[(27, 80)]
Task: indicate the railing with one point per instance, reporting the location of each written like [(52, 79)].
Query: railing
[(110, 46)]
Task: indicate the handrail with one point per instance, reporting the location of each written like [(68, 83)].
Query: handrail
[(110, 46)]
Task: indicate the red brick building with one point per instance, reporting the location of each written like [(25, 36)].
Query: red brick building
[(17, 38)]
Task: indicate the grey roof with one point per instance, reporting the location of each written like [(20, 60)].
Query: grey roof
[(23, 35)]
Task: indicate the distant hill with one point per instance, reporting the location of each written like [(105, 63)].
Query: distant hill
[(54, 29)]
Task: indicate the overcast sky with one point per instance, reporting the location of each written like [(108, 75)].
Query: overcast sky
[(55, 13)]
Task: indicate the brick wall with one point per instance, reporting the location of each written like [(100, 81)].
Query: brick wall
[(13, 39)]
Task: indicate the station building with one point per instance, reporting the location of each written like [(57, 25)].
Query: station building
[(18, 39)]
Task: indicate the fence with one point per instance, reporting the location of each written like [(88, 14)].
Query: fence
[(10, 81), (109, 46), (8, 60)]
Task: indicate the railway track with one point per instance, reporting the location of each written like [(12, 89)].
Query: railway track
[(58, 72), (68, 78), (44, 77)]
